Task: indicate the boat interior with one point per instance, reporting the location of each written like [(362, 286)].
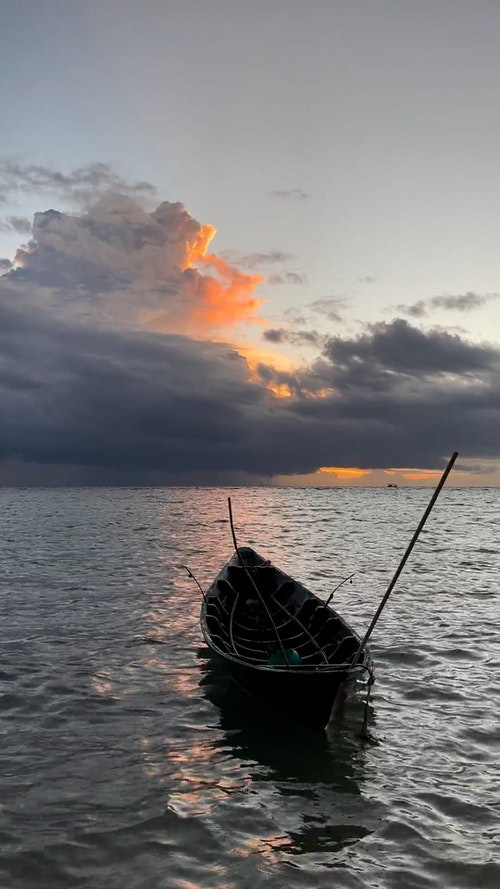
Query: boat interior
[(264, 617)]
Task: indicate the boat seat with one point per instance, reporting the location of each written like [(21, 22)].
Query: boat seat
[(262, 577), (345, 650), (325, 636), (226, 595), (317, 621), (289, 595), (306, 611)]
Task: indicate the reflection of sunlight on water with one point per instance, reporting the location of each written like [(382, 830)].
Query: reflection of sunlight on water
[(102, 683), (186, 769), (304, 789), (267, 802), (213, 874), (272, 849), (270, 794)]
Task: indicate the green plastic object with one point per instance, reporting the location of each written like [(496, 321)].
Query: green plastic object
[(292, 658), (245, 551)]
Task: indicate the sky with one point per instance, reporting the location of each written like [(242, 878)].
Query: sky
[(249, 243)]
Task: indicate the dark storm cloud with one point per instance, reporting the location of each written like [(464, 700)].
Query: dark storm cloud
[(94, 391), (5, 265), (399, 348), (398, 396), (81, 185), (463, 302), (119, 399)]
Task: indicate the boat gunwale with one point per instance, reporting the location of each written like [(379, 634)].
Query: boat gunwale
[(298, 669)]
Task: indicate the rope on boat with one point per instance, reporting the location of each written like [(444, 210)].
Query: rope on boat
[(252, 581)]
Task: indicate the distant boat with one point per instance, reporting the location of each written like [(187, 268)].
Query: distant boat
[(278, 640), (391, 485)]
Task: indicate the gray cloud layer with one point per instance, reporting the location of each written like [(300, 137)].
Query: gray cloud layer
[(461, 302), (80, 185), (78, 388)]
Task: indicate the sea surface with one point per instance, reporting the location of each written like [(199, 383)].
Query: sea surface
[(127, 762)]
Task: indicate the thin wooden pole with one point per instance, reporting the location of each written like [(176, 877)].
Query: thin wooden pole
[(403, 561)]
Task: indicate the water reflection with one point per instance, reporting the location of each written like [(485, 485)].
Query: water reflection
[(256, 732), (309, 784), (269, 791)]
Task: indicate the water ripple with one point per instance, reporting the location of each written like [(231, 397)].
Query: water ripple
[(126, 759)]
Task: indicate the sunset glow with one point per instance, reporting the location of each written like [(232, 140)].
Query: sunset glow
[(345, 472), (415, 474), (197, 248), (422, 475), (227, 291)]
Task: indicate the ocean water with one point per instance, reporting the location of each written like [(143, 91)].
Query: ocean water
[(126, 762)]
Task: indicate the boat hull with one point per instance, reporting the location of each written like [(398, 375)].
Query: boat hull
[(306, 697), (279, 642)]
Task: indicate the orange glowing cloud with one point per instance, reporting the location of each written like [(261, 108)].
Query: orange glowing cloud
[(422, 475), (346, 472), (415, 474), (228, 293), (254, 357), (197, 247)]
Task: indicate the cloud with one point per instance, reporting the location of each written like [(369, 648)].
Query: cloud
[(296, 338), (288, 278), (73, 394), (416, 310), (463, 302), (295, 194), (100, 373), (397, 396), (80, 186), (15, 224), (330, 307), (255, 260), (5, 265), (126, 265), (400, 350)]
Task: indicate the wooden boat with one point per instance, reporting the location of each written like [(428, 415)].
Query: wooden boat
[(278, 640)]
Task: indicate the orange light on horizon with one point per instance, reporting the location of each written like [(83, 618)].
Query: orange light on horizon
[(345, 471), (413, 473), (422, 475)]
